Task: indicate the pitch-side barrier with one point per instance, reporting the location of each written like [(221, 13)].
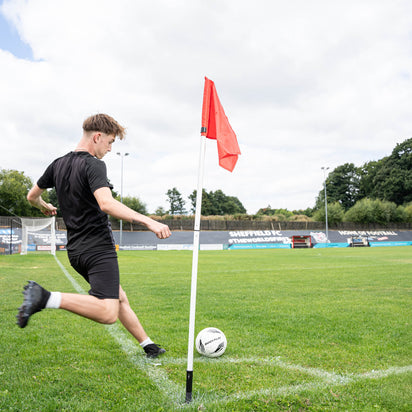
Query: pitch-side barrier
[(10, 240)]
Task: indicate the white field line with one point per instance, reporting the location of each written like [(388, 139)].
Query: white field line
[(68, 276), (325, 378), (330, 378), (292, 389), (175, 393), (275, 361), (382, 373)]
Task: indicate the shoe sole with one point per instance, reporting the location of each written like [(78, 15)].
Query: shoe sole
[(24, 314), (152, 356)]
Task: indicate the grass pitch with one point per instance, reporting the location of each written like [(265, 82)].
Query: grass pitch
[(307, 330)]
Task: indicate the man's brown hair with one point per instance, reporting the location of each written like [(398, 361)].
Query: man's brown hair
[(104, 123)]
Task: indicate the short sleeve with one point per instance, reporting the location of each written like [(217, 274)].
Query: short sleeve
[(47, 181), (97, 175)]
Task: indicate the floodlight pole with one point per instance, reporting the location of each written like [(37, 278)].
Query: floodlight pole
[(326, 201), (122, 155)]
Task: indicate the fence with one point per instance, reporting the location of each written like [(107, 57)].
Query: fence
[(187, 224)]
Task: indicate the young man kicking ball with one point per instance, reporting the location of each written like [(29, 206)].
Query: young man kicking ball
[(85, 200)]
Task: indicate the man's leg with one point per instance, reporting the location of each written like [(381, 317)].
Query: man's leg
[(131, 322), (129, 319), (99, 310), (36, 298)]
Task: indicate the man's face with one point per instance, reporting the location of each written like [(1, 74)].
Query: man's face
[(103, 144)]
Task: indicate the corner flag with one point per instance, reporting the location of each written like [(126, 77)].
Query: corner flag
[(215, 125)]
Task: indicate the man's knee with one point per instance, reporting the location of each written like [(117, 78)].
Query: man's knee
[(110, 312), (109, 319)]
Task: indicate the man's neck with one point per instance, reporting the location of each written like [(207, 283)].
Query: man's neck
[(85, 146)]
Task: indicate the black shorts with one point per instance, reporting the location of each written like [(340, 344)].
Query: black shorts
[(101, 271)]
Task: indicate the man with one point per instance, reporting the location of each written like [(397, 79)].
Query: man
[(86, 200)]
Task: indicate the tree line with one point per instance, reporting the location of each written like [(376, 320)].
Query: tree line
[(376, 192), (214, 203), (388, 179)]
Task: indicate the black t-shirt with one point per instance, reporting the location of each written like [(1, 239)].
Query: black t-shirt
[(76, 176)]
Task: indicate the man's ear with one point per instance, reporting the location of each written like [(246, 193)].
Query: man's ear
[(96, 137)]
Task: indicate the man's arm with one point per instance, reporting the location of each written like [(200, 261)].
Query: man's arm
[(35, 199), (118, 210)]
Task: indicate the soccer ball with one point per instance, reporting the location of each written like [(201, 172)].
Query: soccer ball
[(211, 342)]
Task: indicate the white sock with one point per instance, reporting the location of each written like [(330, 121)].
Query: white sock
[(54, 300), (146, 342)]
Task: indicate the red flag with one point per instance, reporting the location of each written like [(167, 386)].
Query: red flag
[(215, 125)]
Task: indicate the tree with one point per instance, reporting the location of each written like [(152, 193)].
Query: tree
[(208, 208), (342, 185), (160, 211), (134, 203), (408, 211), (14, 186), (268, 211), (217, 203), (307, 212), (393, 179), (233, 206), (336, 213), (367, 178), (376, 211), (177, 204)]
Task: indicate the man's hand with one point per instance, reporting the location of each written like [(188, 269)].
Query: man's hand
[(35, 199), (159, 229), (48, 209)]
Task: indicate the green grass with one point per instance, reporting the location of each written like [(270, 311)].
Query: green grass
[(307, 330)]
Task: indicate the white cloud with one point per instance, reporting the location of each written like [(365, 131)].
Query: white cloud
[(304, 84)]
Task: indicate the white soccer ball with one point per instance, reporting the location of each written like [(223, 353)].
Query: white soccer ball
[(211, 342)]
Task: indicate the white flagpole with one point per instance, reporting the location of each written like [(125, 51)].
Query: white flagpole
[(196, 234)]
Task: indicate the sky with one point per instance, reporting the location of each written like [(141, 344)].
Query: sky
[(305, 85)]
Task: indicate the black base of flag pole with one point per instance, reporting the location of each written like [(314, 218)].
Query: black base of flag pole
[(189, 382)]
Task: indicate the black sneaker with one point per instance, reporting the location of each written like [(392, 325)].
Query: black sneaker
[(35, 299), (153, 351)]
